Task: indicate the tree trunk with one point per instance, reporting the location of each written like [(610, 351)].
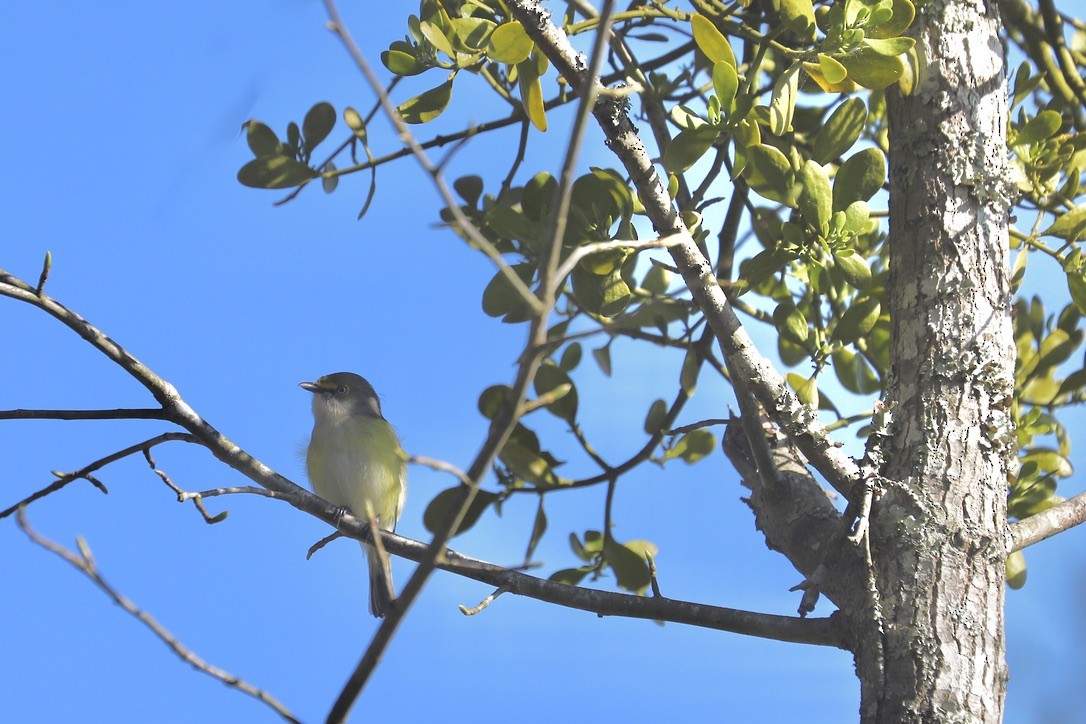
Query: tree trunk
[(934, 648)]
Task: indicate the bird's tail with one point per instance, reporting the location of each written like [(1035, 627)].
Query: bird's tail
[(381, 588)]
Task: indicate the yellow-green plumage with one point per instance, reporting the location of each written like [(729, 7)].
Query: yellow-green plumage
[(354, 459)]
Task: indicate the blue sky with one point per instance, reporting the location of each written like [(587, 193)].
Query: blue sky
[(122, 123)]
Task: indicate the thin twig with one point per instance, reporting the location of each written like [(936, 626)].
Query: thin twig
[(85, 472), (596, 247), (185, 496), (196, 500), (712, 422), (482, 604), (139, 413), (84, 563)]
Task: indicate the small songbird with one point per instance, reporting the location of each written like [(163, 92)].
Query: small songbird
[(354, 459)]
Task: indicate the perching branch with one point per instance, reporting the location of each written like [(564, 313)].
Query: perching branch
[(818, 631), (85, 564)]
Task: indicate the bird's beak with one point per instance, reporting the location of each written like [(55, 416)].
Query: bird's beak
[(309, 387)]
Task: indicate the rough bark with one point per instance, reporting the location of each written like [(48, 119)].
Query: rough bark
[(935, 650)]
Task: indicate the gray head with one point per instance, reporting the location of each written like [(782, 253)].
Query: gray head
[(343, 394)]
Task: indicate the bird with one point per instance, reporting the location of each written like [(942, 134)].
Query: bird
[(354, 458)]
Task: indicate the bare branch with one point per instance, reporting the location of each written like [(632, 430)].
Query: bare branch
[(181, 497), (177, 410), (84, 473), (140, 413), (184, 496), (1056, 519), (86, 565)]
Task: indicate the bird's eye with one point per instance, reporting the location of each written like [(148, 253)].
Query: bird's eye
[(342, 390)]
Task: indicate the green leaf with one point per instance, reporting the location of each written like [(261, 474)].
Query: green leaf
[(859, 178), (1070, 226), (890, 47), (725, 84), (806, 389), (400, 60), (761, 266), (696, 445), (262, 140), (853, 267), (790, 322), (782, 104), (1076, 285), (501, 299), (1049, 462), (470, 36), (510, 223), (329, 183), (1041, 127), (689, 146), (428, 105), (832, 70), (654, 420), (275, 172), (602, 355), (711, 41), (902, 18), (871, 69), (539, 527), (441, 506), (548, 378), (470, 188), (631, 570), (854, 373), (437, 37), (1016, 570), (603, 295), (798, 16), (531, 90), (510, 44), (857, 320), (657, 280), (569, 576), (571, 357), (492, 399), (790, 352), (840, 131), (688, 377), (857, 215), (774, 172), (815, 197), (527, 464), (318, 123)]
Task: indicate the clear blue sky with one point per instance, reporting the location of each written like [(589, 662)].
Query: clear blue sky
[(122, 137)]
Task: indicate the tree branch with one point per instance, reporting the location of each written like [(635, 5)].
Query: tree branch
[(141, 413), (818, 631), (85, 564), (84, 473), (1056, 519)]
